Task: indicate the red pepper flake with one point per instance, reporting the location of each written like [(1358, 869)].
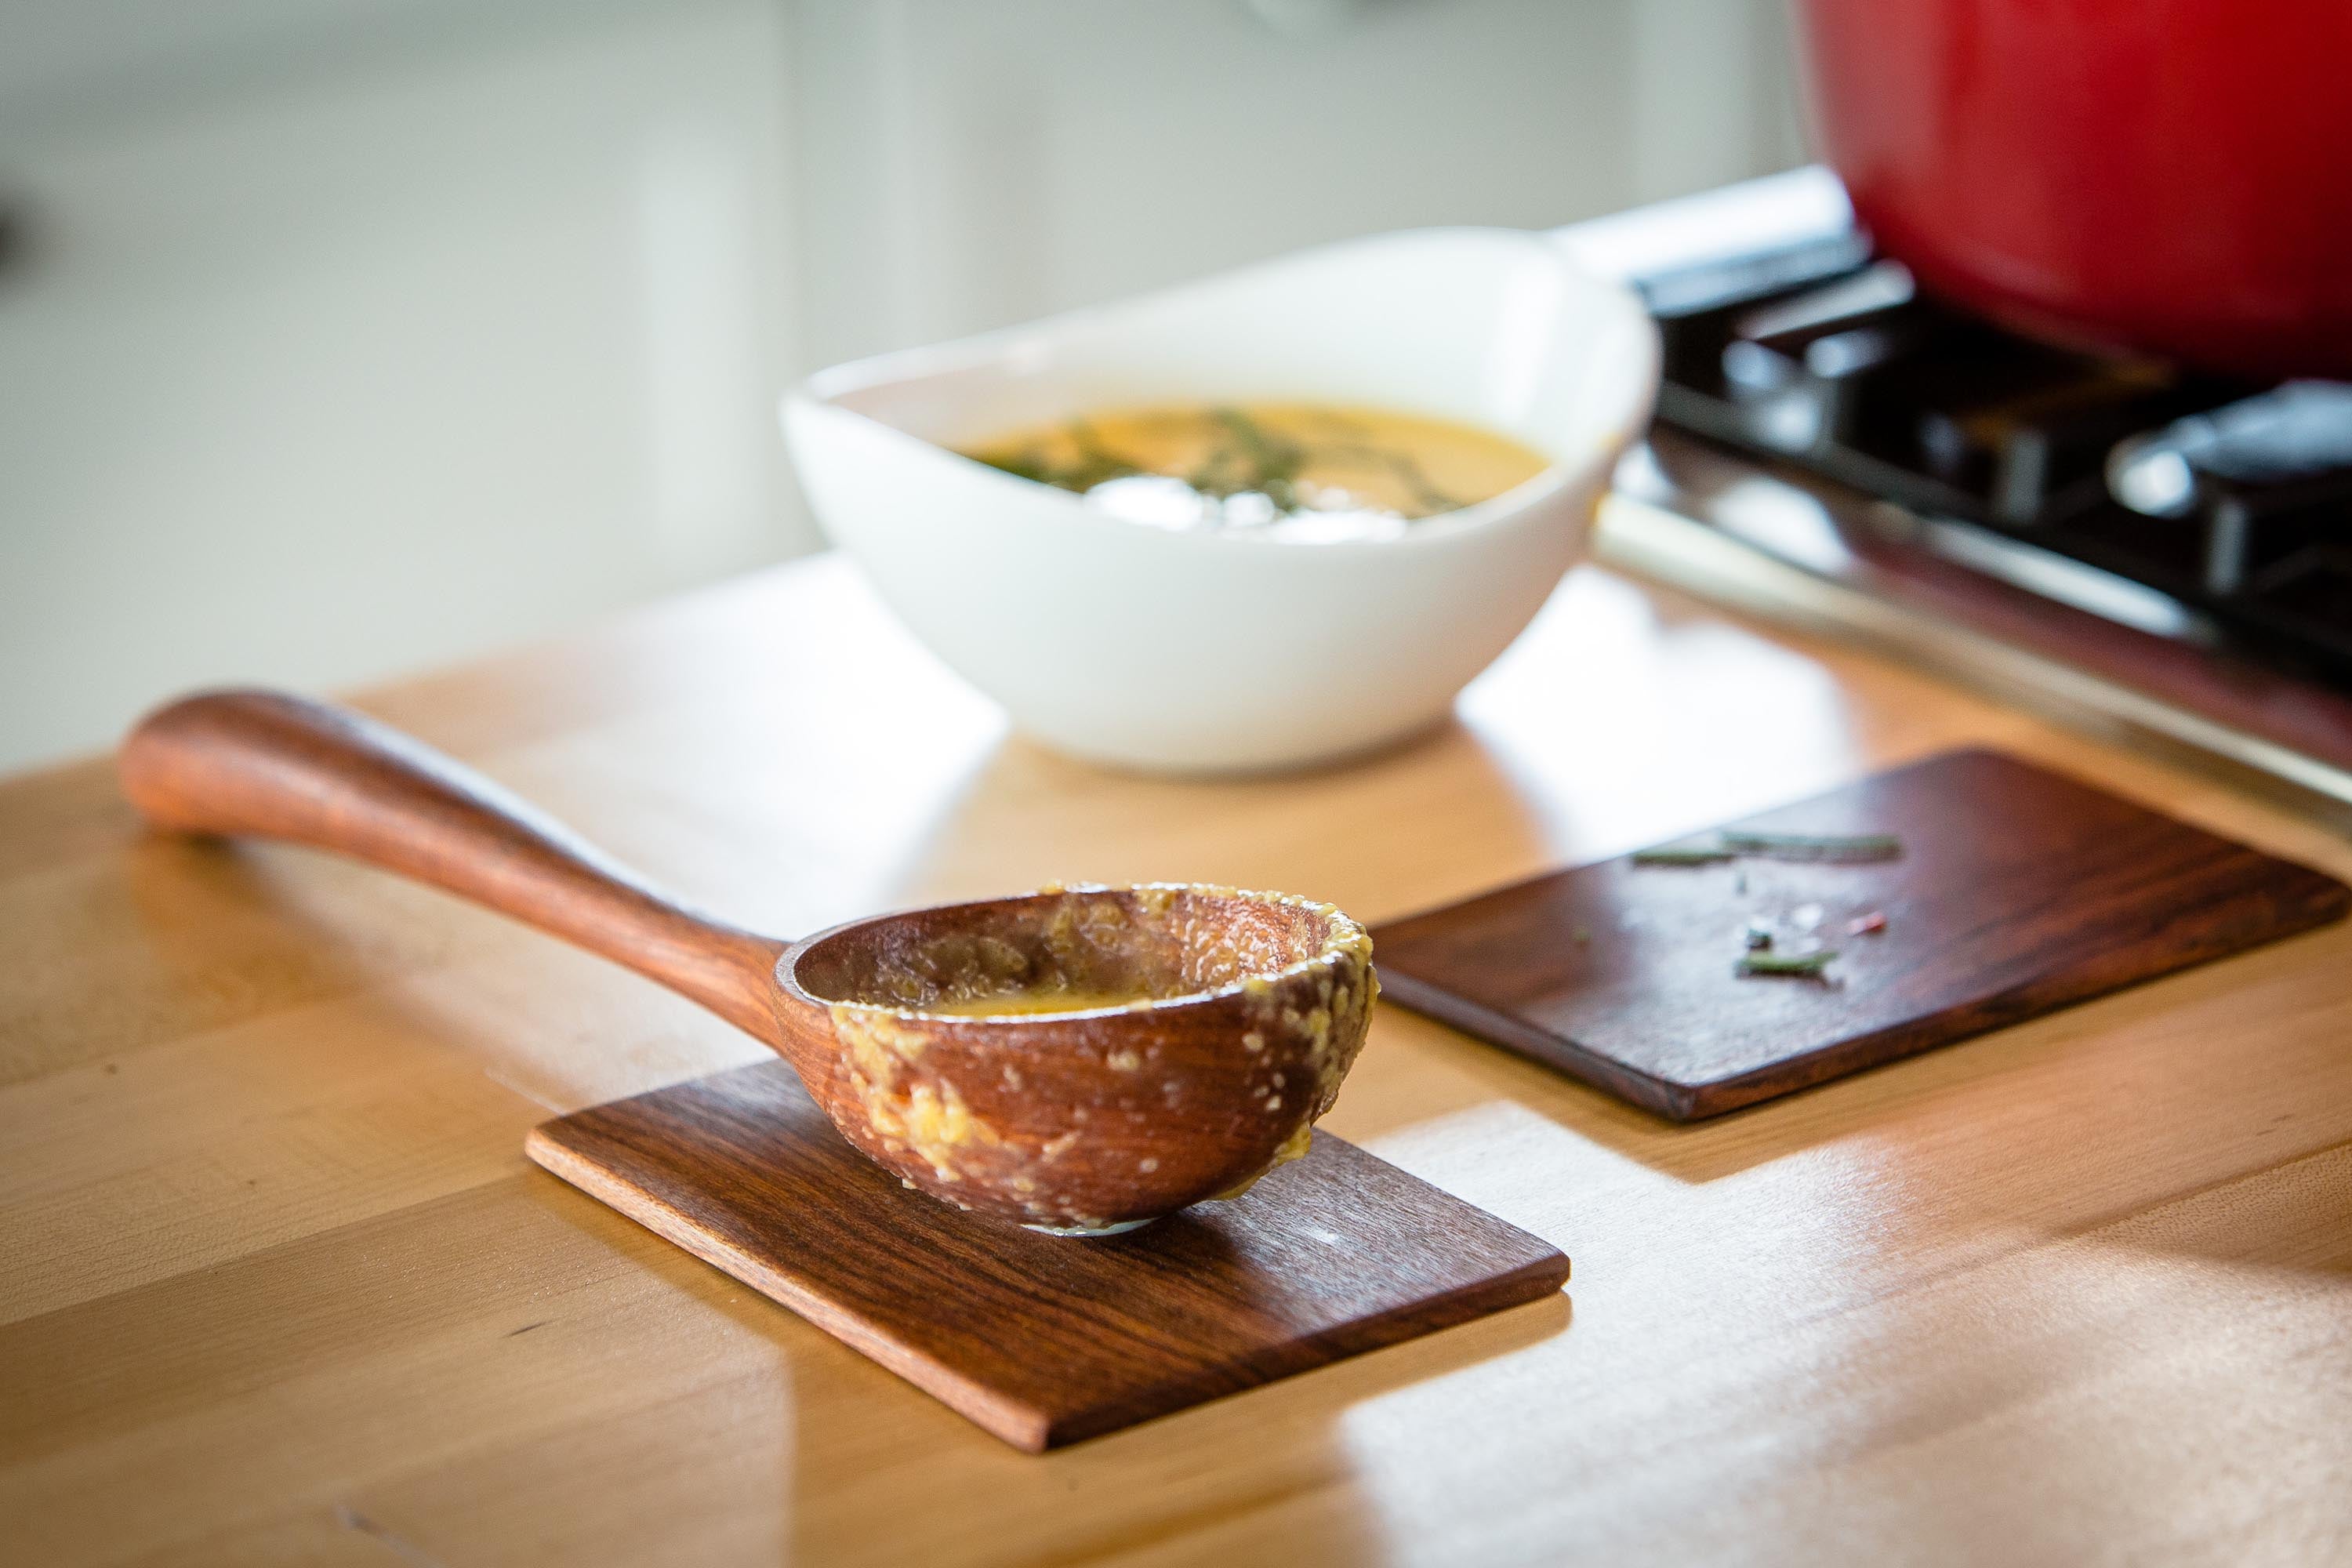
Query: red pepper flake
[(1865, 925)]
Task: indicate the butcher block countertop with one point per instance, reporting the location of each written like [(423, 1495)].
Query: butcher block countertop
[(280, 1287)]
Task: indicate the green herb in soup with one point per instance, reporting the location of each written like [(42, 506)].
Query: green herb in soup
[(1287, 470)]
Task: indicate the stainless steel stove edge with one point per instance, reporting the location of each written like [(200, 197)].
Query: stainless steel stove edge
[(1695, 517)]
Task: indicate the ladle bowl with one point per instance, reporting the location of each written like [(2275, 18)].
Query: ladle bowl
[(1234, 1015)]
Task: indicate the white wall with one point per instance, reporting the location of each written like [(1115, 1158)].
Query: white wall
[(384, 360), (969, 162), (356, 337)]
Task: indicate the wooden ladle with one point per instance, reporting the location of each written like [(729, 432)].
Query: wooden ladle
[(1237, 1015)]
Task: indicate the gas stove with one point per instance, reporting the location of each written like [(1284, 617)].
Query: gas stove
[(2166, 549)]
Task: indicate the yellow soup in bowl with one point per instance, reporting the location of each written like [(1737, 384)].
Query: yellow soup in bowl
[(1303, 472)]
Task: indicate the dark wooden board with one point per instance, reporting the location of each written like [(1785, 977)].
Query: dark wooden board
[(2018, 891), (1045, 1339)]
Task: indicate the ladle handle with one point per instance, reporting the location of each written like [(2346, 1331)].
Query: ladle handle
[(268, 765)]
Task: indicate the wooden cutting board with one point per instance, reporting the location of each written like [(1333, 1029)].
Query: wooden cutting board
[(2017, 892), (1045, 1339)]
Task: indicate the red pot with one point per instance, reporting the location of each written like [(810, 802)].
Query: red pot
[(2168, 175)]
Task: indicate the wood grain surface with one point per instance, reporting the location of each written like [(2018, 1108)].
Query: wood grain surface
[(2017, 890), (281, 1286), (1046, 1340)]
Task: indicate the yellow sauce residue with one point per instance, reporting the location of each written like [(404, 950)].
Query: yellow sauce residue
[(1029, 1004), (1293, 1148), (1293, 471), (931, 1119)]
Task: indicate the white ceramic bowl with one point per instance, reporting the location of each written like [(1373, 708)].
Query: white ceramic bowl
[(1216, 651)]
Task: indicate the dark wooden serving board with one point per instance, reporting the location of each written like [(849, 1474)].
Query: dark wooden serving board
[(2018, 891), (1045, 1339)]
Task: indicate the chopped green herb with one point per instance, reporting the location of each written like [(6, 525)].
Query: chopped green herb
[(1097, 465), (1760, 936), (1026, 465), (1405, 466), (1257, 461), (1811, 963), (1839, 847)]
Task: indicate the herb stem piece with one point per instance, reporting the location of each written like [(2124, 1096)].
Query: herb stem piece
[(1841, 846), (1768, 963), (1682, 855)]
